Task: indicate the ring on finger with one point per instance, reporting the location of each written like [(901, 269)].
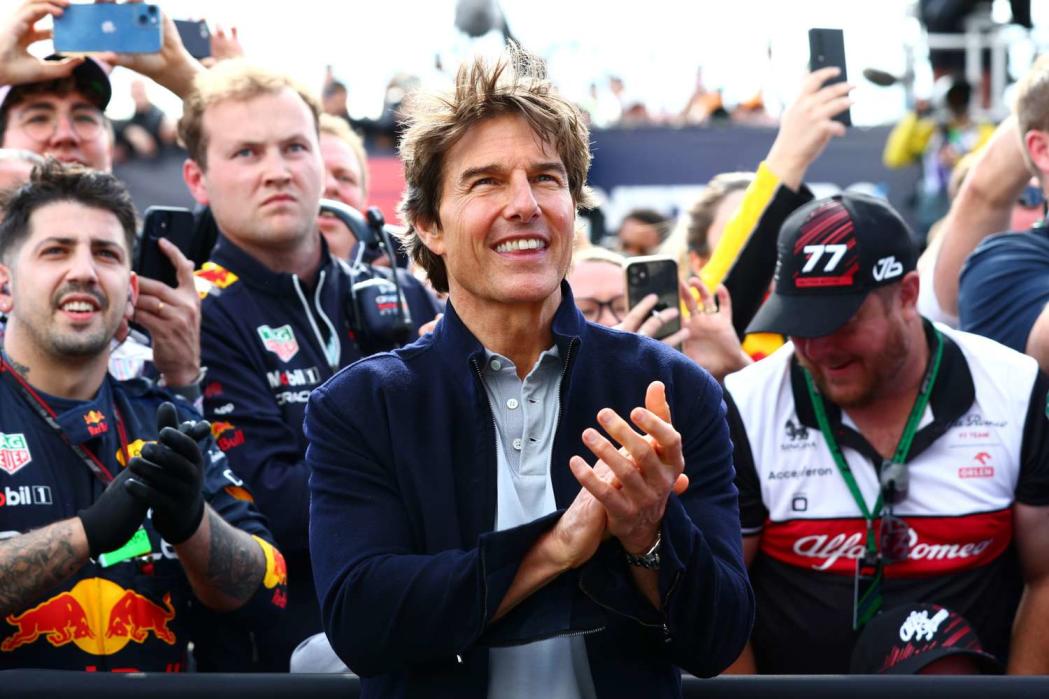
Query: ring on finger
[(160, 307), (710, 308)]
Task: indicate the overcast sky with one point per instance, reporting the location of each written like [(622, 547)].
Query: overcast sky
[(655, 45)]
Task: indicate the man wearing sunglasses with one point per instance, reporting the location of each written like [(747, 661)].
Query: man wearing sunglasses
[(883, 459)]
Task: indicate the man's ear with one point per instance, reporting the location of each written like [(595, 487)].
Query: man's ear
[(7, 299), (909, 286), (193, 176), (132, 296), (431, 235), (1037, 144)]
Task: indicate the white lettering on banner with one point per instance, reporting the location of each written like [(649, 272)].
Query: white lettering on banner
[(920, 627), (852, 546)]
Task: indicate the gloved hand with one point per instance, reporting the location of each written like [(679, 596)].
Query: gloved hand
[(169, 476), (113, 518)]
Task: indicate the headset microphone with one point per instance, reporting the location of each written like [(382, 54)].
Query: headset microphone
[(379, 306)]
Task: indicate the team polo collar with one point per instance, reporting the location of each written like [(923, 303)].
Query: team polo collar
[(952, 396), (257, 275)]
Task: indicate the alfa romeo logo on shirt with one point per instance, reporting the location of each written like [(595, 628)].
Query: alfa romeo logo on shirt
[(14, 452), (281, 341)]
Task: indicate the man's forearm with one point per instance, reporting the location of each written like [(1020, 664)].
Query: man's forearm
[(34, 562), (537, 568), (224, 565), (1029, 651), (981, 208)]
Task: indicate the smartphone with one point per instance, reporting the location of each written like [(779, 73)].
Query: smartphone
[(827, 48), (654, 274), (124, 28), (196, 37), (175, 224)]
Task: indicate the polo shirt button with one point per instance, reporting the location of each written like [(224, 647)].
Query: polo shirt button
[(518, 444), (512, 404), (496, 365)]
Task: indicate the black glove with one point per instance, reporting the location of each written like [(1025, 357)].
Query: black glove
[(113, 518), (169, 476)]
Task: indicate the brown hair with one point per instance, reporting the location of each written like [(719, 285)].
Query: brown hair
[(56, 182), (337, 127), (703, 212), (514, 84), (1032, 103), (234, 79)]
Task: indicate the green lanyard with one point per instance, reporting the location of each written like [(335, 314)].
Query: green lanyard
[(902, 448)]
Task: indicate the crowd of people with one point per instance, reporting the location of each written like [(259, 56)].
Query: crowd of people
[(466, 467)]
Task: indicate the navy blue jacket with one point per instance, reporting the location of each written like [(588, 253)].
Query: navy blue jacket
[(134, 615), (403, 496), (268, 340)]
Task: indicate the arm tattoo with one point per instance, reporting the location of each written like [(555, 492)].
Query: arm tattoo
[(236, 563), (35, 562)]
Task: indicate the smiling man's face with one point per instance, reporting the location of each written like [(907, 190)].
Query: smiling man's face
[(70, 282), (507, 216)]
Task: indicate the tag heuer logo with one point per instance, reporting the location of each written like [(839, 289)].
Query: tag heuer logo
[(281, 341), (14, 452)]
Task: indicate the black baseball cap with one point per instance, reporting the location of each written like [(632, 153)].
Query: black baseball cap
[(91, 77), (907, 639), (831, 253)]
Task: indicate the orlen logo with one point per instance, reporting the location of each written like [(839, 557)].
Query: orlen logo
[(981, 469), (97, 615), (831, 548), (25, 495)]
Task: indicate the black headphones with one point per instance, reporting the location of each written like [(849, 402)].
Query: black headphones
[(379, 308)]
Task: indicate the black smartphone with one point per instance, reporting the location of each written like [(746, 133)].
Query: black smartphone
[(654, 274), (175, 224), (124, 28), (196, 37), (827, 48)]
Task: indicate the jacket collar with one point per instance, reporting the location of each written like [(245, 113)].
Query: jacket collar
[(255, 274), (952, 396), (568, 326)]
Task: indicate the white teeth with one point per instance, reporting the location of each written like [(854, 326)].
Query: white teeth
[(521, 244), (77, 307)]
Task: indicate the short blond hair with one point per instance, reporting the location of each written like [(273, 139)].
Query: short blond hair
[(514, 84), (234, 79), (337, 127), (1032, 104)]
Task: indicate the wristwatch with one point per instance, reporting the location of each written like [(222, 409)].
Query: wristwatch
[(649, 559)]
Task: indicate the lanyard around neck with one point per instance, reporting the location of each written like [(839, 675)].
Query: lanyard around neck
[(47, 414), (902, 448)]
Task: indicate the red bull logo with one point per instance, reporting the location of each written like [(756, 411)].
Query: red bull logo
[(135, 616), (212, 276), (96, 423), (226, 435), (97, 615), (60, 620), (14, 452), (276, 576)]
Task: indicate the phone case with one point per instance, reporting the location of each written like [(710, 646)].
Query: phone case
[(654, 274), (827, 48), (125, 28)]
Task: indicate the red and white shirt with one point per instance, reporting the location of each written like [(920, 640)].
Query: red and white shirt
[(982, 445)]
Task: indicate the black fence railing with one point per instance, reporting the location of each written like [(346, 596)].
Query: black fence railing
[(50, 683)]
